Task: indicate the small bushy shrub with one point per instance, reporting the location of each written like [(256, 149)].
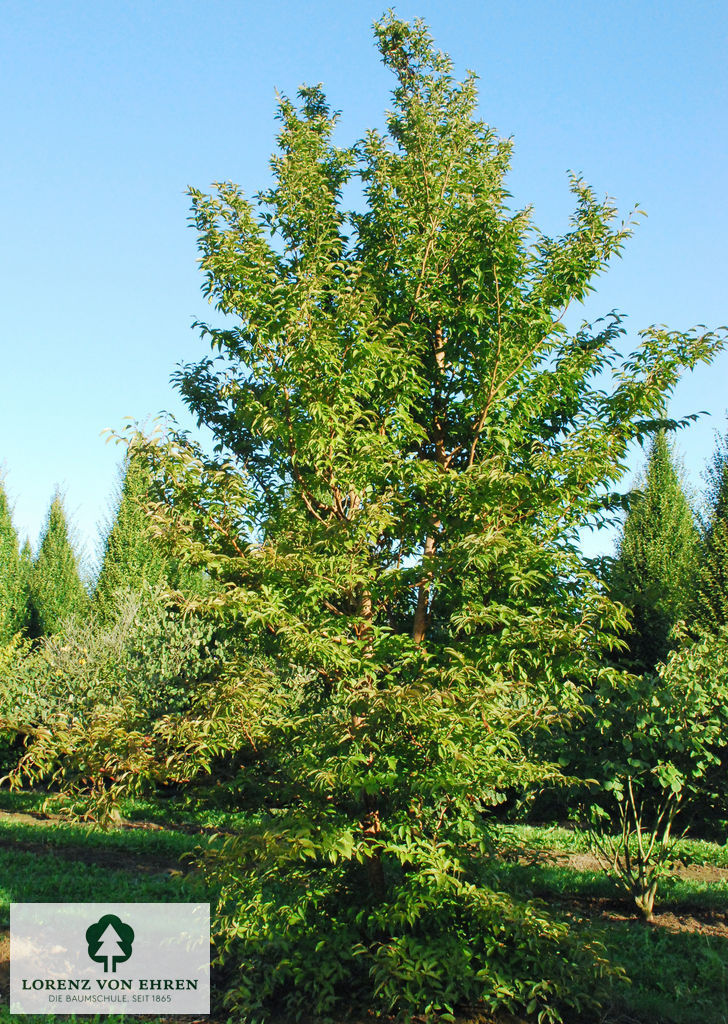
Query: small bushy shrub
[(654, 742), (119, 678)]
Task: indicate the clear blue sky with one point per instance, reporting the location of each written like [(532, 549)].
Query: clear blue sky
[(109, 110)]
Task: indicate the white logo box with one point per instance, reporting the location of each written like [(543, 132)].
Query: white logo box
[(88, 958)]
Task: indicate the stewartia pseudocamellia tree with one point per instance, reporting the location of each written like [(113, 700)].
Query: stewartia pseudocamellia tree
[(407, 441)]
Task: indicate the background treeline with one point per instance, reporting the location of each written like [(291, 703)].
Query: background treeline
[(41, 593), (66, 642), (659, 720), (670, 563)]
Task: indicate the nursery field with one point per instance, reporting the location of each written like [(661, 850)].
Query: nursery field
[(677, 968), (345, 646)]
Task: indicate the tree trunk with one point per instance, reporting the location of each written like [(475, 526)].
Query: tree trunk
[(645, 901), (371, 824), (421, 622), (419, 628), (374, 865)]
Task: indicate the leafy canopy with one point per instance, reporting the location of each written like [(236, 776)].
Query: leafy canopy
[(409, 439)]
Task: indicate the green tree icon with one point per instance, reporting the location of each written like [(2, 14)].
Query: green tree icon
[(109, 941)]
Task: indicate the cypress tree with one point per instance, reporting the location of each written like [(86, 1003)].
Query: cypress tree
[(132, 557), (26, 570), (654, 572), (13, 578), (56, 590), (711, 601)]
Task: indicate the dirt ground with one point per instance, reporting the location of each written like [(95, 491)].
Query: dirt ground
[(113, 859), (698, 921)]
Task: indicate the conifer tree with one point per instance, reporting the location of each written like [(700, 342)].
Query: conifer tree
[(132, 557), (25, 571), (56, 590), (711, 602), (13, 576), (654, 573), (26, 563)]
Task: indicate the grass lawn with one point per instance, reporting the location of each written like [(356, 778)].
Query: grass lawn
[(678, 967)]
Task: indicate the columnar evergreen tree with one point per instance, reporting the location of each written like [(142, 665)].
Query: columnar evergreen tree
[(655, 570), (56, 590), (711, 604), (132, 557), (26, 565), (13, 577), (26, 571)]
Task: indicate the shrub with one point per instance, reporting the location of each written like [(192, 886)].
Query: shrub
[(118, 677), (654, 741)]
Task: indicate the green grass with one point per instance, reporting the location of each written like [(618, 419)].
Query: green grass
[(28, 877), (675, 978), (545, 879), (159, 844), (543, 837), (168, 811), (21, 801), (44, 874), (567, 840)]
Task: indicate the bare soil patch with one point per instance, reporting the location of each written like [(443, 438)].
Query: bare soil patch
[(588, 862), (697, 921)]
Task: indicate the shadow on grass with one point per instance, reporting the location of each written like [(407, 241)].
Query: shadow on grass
[(675, 978)]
